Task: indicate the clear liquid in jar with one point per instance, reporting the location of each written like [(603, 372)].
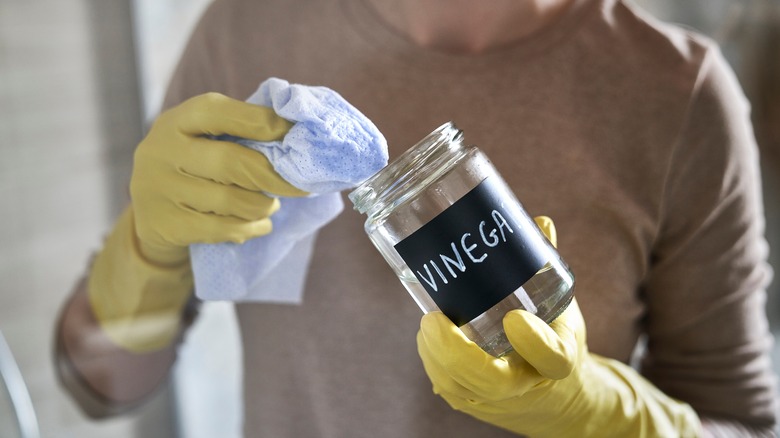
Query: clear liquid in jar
[(544, 295)]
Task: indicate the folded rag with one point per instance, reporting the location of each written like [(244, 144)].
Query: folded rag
[(331, 147)]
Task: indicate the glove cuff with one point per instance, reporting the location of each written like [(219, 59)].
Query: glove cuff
[(137, 303), (618, 401)]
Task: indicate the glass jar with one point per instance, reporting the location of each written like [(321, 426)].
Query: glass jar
[(459, 241)]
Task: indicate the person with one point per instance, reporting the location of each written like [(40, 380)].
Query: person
[(631, 134)]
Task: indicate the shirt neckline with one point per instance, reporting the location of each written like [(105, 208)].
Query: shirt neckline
[(374, 31)]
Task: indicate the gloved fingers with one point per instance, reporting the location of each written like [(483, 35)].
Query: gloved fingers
[(442, 381), (460, 366), (224, 200), (197, 227), (570, 326), (231, 163), (551, 350), (215, 114), (473, 407), (548, 229), (446, 386)]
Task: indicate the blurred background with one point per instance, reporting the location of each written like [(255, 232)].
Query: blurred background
[(79, 82)]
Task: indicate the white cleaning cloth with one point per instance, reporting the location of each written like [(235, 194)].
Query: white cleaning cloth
[(331, 147)]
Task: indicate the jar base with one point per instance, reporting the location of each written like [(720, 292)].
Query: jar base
[(487, 330)]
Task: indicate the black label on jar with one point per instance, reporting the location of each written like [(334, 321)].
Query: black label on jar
[(476, 253)]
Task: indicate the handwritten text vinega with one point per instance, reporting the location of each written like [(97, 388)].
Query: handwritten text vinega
[(453, 261)]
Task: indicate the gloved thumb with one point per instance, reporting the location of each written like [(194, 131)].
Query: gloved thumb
[(548, 228), (552, 353)]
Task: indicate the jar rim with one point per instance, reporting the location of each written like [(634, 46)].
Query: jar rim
[(389, 186)]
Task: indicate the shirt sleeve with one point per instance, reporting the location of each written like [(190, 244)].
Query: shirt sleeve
[(709, 342)]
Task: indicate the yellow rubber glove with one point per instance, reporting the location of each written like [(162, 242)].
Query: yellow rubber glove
[(551, 385), (186, 188)]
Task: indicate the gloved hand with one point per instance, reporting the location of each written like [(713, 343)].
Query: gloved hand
[(186, 188), (550, 385)]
